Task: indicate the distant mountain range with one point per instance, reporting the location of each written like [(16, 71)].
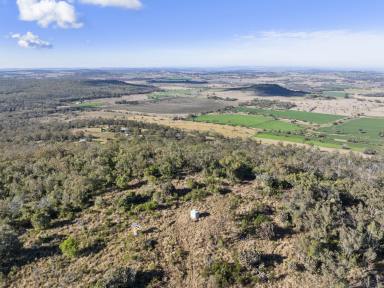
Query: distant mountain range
[(270, 90)]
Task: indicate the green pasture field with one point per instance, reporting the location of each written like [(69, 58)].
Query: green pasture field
[(311, 117), (368, 129), (251, 121)]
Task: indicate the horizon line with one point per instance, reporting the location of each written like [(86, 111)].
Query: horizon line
[(219, 68)]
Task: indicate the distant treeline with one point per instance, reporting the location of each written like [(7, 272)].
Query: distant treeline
[(23, 94)]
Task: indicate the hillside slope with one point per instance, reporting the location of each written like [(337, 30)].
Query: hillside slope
[(270, 90), (271, 216)]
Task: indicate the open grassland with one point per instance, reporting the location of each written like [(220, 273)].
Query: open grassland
[(252, 121), (318, 118), (334, 94)]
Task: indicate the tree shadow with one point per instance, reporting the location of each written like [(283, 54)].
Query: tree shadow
[(51, 239), (150, 230), (225, 190), (283, 232), (182, 192), (29, 255), (204, 214), (144, 278), (271, 260), (150, 244)]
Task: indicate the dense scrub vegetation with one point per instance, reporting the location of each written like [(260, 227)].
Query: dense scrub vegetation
[(267, 104), (332, 202)]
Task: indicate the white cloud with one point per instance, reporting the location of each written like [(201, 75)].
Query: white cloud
[(47, 12), (30, 40), (129, 4)]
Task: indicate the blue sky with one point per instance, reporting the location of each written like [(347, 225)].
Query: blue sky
[(211, 33)]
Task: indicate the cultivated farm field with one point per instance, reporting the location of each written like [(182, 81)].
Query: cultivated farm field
[(368, 130), (318, 118), (253, 121)]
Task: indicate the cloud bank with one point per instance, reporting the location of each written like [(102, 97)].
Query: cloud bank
[(47, 12), (128, 4), (30, 40), (326, 48), (62, 13), (314, 49)]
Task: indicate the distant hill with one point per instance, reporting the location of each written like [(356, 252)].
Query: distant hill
[(176, 81), (270, 90), (105, 82)]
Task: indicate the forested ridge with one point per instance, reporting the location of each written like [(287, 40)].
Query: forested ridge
[(27, 94), (332, 203)]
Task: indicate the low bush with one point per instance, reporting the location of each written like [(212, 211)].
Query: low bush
[(237, 167), (196, 195), (124, 277), (145, 207), (130, 200), (250, 259), (41, 220), (226, 274), (70, 247), (256, 223)]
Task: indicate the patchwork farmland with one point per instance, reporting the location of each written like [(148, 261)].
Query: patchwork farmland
[(323, 130)]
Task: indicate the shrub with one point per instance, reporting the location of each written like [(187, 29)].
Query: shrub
[(145, 207), (119, 278), (41, 220), (99, 202), (250, 259), (272, 186), (196, 195), (226, 274), (122, 181), (285, 218), (167, 189), (152, 172), (252, 223), (192, 184), (134, 203), (130, 200), (70, 247), (214, 185), (237, 168), (266, 231)]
